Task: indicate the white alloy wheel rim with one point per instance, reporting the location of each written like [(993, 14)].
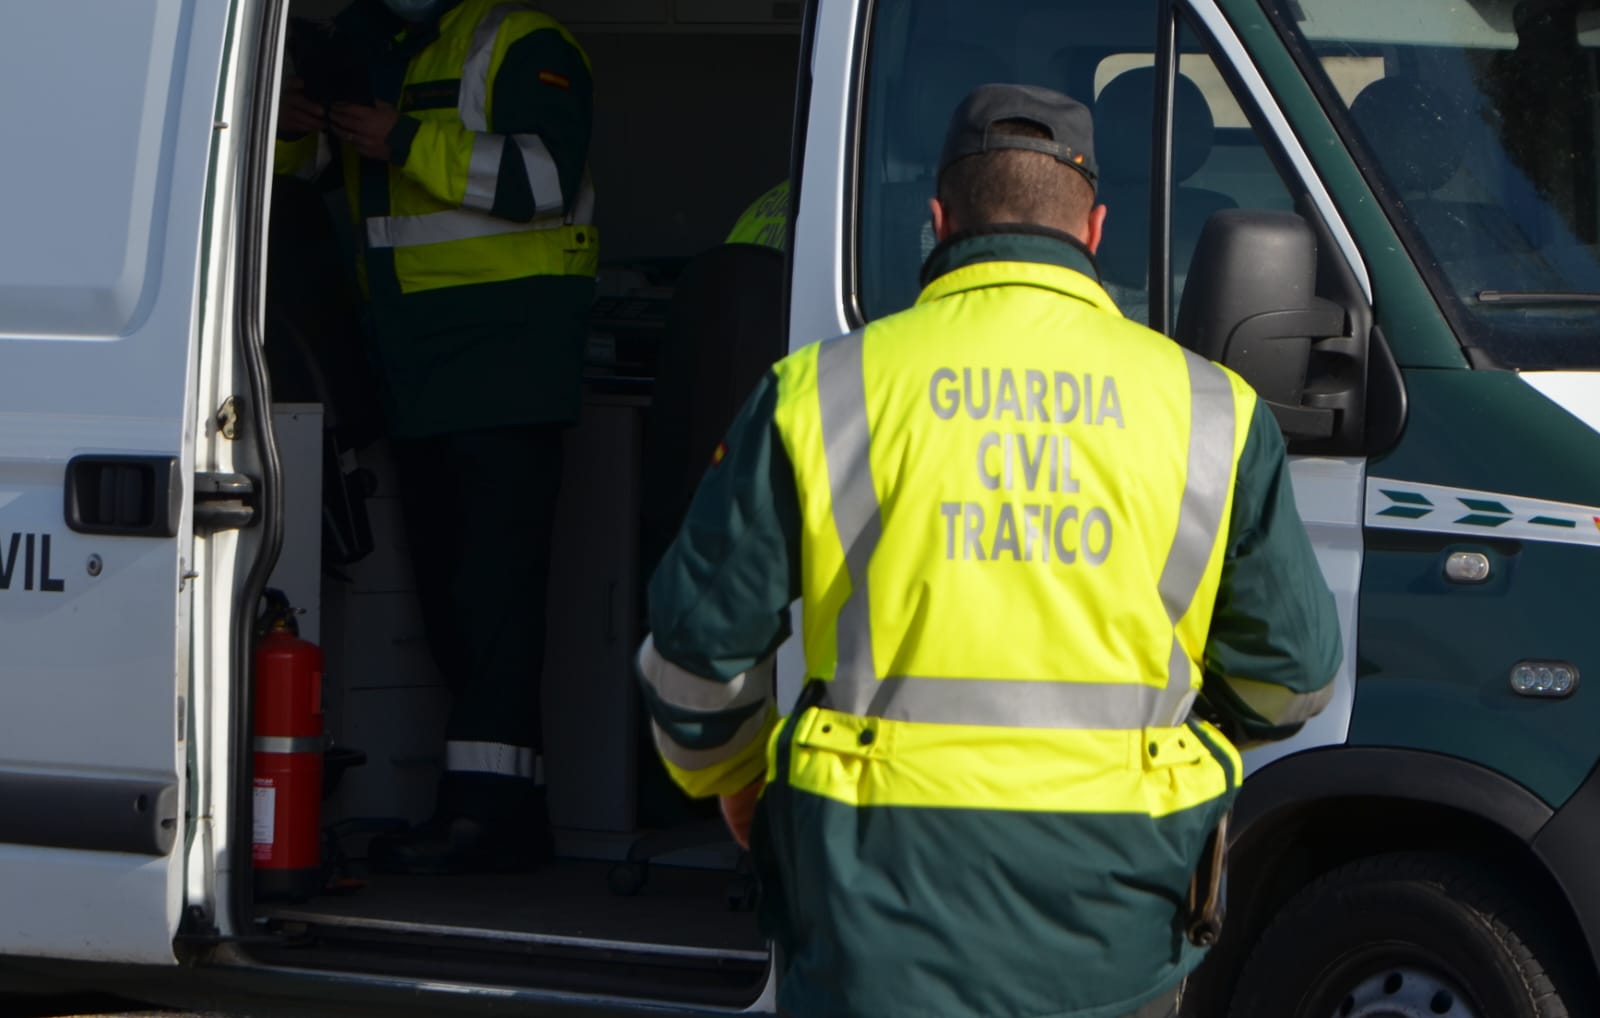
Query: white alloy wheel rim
[(1404, 992)]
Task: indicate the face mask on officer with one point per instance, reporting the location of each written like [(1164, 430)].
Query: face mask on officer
[(414, 10)]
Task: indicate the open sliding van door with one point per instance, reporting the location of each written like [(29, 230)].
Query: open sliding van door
[(109, 112)]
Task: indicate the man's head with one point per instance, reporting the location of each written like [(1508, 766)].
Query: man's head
[(1019, 154), (416, 11)]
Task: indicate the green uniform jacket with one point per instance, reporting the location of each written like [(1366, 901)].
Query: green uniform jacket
[(479, 318), (957, 911)]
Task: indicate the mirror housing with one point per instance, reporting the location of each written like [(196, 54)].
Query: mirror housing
[(1251, 304)]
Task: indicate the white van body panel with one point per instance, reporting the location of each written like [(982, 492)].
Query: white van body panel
[(1576, 392), (110, 108), (1330, 493)]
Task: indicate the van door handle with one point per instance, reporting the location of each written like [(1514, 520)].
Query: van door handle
[(128, 496)]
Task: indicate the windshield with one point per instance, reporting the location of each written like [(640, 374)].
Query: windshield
[(1476, 121)]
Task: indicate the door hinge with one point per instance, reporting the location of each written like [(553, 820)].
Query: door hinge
[(227, 418), (224, 501)]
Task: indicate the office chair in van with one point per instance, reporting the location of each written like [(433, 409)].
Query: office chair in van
[(724, 330), (1122, 148)]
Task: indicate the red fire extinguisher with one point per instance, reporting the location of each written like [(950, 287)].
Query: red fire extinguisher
[(289, 743)]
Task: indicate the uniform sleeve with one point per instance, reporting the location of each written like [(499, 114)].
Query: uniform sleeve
[(719, 608), (300, 157), (530, 162), (1274, 645)]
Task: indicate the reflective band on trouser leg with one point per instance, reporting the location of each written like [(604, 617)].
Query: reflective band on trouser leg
[(846, 438), (493, 758), (1205, 496), (474, 102), (483, 171)]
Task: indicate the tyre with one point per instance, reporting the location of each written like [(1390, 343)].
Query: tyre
[(1402, 936)]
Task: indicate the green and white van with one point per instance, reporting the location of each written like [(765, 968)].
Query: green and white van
[(1385, 215)]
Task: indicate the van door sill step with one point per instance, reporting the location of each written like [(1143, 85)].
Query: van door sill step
[(404, 926)]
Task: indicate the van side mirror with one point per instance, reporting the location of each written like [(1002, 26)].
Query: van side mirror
[(1251, 304)]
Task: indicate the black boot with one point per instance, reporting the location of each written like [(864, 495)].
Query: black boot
[(480, 826), (460, 845)]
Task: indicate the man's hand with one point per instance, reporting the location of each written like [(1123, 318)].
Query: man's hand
[(297, 115), (739, 810), (365, 128)]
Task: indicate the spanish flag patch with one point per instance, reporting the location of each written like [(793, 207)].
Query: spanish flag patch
[(552, 78), (719, 453)]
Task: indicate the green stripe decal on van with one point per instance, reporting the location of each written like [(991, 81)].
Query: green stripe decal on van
[(1551, 521), (1426, 507)]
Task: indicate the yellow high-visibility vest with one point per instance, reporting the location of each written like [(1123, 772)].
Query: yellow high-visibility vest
[(1014, 509)]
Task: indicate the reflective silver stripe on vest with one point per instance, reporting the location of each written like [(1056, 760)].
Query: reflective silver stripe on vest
[(1207, 481), (439, 227), (583, 208), (846, 439), (1003, 703), (493, 758), (483, 171), (465, 224), (856, 689), (474, 100)]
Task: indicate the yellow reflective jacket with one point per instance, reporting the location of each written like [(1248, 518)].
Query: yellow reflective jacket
[(766, 221), (477, 244)]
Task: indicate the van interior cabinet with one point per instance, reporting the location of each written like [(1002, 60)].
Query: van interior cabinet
[(590, 702)]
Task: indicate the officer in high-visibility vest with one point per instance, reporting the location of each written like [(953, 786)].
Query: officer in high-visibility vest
[(1025, 533), (468, 189), (766, 221)]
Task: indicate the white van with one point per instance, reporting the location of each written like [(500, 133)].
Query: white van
[(1409, 271)]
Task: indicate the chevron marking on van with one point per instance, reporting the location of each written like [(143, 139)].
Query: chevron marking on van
[(1402, 505)]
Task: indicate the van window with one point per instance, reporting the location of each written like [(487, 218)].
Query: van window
[(1218, 162), (924, 55), (920, 68), (1480, 135)]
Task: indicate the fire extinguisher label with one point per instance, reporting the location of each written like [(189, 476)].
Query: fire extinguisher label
[(264, 824)]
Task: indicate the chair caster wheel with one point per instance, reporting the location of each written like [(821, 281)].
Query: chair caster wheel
[(628, 878)]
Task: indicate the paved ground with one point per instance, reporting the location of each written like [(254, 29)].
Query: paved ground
[(92, 1007)]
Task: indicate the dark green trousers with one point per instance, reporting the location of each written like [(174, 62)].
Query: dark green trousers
[(479, 508)]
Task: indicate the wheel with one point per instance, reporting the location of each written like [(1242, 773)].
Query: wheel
[(1402, 936)]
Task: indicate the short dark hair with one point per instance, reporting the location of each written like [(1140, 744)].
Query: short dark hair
[(1016, 186)]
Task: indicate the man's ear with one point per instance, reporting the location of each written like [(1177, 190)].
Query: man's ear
[(942, 227), (1095, 228)]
